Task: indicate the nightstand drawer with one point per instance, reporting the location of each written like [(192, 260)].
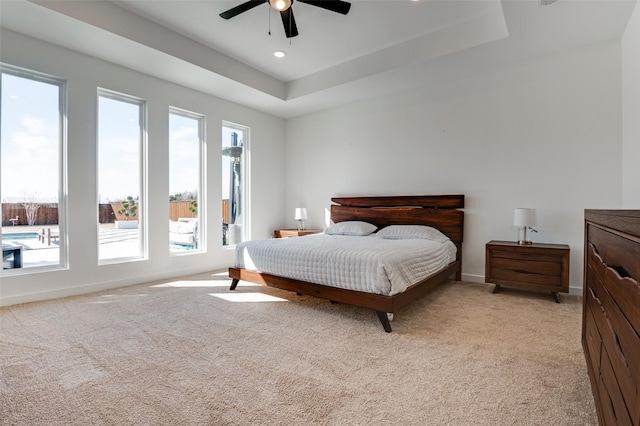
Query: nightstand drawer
[(532, 256), (532, 272)]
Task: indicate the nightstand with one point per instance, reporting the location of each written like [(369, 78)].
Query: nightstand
[(537, 266), (288, 233)]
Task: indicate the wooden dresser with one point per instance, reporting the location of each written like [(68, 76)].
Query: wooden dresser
[(611, 313)]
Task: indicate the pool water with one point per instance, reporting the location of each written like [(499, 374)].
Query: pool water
[(180, 247), (34, 235), (20, 236)]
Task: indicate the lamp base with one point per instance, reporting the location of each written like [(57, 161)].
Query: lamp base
[(522, 240)]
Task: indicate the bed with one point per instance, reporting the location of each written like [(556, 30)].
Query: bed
[(441, 212)]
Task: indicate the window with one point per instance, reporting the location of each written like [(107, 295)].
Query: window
[(121, 177), (32, 170), (185, 180), (235, 209)]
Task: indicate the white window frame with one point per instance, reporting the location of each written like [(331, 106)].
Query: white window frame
[(63, 239), (143, 198), (202, 199)]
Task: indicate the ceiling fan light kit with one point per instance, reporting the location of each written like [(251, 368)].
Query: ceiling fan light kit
[(280, 5), (286, 10)]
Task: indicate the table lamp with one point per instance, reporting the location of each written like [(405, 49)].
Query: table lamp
[(524, 218), (301, 216)]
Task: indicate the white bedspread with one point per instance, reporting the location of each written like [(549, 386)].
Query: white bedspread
[(370, 264)]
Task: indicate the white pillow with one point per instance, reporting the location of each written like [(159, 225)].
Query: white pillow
[(353, 227), (401, 232)]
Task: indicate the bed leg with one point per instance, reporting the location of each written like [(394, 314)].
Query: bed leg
[(234, 284), (384, 319)]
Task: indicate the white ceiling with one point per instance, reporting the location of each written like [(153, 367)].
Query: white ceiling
[(379, 47), (326, 38)]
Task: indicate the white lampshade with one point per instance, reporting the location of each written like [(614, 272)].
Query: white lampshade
[(524, 217), (301, 213)]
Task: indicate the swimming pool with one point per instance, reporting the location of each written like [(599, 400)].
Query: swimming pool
[(180, 247), (19, 236)]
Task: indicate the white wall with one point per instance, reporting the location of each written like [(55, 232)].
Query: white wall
[(631, 112), (543, 133), (84, 75)]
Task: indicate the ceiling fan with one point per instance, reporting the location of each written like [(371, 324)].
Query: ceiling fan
[(286, 13)]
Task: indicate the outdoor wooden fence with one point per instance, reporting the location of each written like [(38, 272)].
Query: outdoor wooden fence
[(47, 214), (177, 209), (107, 213), (180, 209)]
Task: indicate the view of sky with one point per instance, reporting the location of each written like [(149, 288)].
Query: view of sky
[(184, 154), (119, 149), (30, 134), (30, 137)]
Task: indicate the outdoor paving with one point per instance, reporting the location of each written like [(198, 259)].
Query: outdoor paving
[(113, 243)]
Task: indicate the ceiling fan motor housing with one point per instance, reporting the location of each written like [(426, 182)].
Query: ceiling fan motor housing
[(286, 10)]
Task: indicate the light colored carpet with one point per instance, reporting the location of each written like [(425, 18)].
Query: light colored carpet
[(189, 351)]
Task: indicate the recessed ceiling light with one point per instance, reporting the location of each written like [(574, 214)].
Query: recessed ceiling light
[(279, 54)]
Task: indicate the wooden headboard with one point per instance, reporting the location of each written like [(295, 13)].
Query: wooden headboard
[(438, 211)]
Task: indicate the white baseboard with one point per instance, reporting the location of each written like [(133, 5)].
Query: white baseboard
[(576, 291), (573, 290), (473, 278)]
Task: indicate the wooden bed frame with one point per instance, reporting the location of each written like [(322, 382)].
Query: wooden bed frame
[(438, 211)]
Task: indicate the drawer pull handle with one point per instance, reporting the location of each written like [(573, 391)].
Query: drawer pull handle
[(619, 270)]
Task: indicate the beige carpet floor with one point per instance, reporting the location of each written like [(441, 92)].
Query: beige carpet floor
[(190, 352)]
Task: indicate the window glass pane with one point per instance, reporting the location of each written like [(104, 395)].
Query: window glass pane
[(120, 131), (234, 209), (31, 171), (185, 175)]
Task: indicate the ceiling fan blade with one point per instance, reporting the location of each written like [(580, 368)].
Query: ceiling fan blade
[(234, 11), (289, 23), (332, 5)]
